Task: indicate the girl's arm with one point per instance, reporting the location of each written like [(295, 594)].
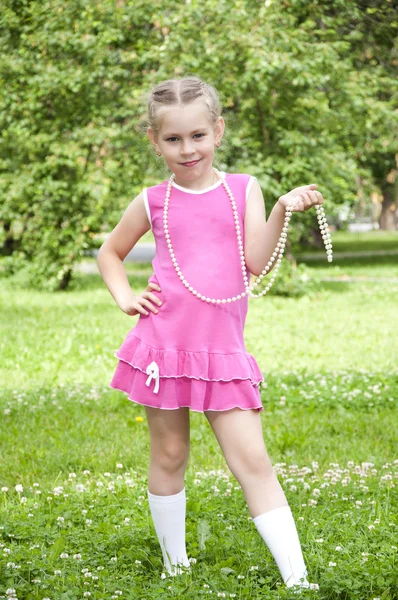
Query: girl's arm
[(261, 236), (132, 226)]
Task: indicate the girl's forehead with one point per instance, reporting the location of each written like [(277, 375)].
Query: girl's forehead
[(184, 118)]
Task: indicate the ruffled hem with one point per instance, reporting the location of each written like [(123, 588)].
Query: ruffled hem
[(206, 366), (173, 393)]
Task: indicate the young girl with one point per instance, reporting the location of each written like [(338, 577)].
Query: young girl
[(187, 350)]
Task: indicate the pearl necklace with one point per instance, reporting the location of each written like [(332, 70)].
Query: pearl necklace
[(277, 254)]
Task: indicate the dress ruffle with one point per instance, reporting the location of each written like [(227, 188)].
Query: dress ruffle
[(204, 365), (198, 394)]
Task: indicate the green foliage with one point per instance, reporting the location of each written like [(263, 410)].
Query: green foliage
[(291, 281), (308, 90)]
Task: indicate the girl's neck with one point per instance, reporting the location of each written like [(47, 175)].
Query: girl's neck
[(198, 184)]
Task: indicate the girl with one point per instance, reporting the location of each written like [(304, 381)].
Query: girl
[(187, 350)]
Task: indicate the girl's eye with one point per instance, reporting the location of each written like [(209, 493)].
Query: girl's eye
[(171, 139)]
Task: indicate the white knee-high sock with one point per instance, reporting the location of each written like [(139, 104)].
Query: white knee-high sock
[(278, 530), (168, 514)]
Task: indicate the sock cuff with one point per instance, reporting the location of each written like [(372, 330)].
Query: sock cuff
[(272, 514), (167, 499)]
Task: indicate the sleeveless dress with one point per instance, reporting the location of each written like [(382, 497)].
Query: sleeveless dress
[(192, 353)]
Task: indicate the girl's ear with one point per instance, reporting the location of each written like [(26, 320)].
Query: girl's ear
[(152, 136), (219, 129)]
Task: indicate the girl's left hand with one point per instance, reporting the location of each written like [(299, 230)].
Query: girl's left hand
[(307, 196)]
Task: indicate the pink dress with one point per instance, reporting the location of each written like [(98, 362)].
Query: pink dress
[(192, 353)]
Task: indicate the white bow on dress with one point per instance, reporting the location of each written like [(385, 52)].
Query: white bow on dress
[(153, 371)]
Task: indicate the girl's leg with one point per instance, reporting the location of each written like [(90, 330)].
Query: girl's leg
[(169, 452), (239, 433)]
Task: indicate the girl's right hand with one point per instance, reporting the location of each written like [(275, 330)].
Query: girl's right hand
[(134, 305)]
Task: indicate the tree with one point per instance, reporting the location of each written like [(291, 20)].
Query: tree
[(307, 87)]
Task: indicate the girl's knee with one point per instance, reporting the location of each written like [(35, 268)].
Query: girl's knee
[(252, 463), (171, 455)]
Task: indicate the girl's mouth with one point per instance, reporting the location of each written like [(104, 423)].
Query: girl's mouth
[(190, 164)]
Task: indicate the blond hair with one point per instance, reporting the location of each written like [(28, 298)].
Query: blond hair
[(181, 91)]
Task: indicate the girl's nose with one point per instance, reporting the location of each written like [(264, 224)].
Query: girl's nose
[(187, 148)]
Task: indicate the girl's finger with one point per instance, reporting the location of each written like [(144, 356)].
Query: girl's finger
[(305, 188), (313, 197), (306, 201), (154, 298), (154, 286), (149, 305), (140, 309)]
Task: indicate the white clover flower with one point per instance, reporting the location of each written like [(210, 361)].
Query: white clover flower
[(119, 466), (72, 475), (80, 488), (57, 572), (77, 556), (60, 519), (163, 576), (4, 489), (338, 548), (64, 555), (114, 558), (332, 564), (86, 472), (18, 488)]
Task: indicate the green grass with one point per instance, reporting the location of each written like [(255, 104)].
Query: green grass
[(80, 450), (346, 241)]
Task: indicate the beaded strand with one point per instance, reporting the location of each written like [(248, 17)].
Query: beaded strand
[(276, 255)]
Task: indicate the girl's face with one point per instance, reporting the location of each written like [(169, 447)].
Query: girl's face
[(186, 139)]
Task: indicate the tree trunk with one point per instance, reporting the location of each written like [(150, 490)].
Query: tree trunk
[(388, 216), (65, 281)]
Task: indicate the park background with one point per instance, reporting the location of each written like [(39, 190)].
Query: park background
[(309, 91)]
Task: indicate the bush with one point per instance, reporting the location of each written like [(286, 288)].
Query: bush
[(291, 281)]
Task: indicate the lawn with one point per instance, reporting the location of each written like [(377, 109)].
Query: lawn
[(74, 519)]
